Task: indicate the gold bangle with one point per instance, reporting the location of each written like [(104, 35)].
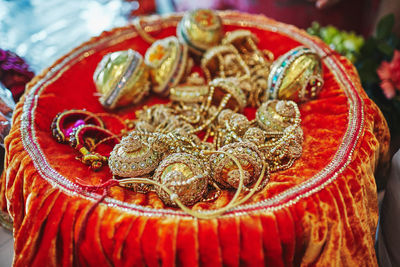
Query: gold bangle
[(189, 93)]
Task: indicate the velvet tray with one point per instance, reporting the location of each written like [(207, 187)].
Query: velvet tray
[(322, 211)]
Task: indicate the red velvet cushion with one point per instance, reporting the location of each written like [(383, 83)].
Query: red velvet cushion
[(323, 210)]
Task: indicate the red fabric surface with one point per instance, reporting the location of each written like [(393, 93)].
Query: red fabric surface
[(326, 224)]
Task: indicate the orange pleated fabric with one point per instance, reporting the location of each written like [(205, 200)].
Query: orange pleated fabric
[(320, 212)]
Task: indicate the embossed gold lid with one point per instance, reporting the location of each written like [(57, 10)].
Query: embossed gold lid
[(132, 157)]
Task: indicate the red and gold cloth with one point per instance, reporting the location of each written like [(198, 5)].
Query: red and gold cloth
[(322, 211)]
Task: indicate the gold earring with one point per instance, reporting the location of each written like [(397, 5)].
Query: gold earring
[(86, 138)]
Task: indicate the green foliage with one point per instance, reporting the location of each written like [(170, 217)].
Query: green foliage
[(346, 43), (380, 48), (367, 55), (385, 26)]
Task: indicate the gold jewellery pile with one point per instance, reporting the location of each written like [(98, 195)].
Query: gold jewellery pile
[(199, 143)]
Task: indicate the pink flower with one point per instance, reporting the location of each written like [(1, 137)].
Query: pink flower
[(389, 73)]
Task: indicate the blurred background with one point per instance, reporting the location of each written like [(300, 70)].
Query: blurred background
[(40, 31)]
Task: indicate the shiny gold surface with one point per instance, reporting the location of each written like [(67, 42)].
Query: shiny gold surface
[(200, 29), (163, 58), (179, 167), (298, 74), (109, 71), (121, 78)]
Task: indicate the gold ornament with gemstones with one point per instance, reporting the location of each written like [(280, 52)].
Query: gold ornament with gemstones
[(133, 157), (276, 115), (296, 75)]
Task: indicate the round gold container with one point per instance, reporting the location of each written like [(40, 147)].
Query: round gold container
[(200, 29), (271, 119), (225, 172), (132, 157), (122, 79), (168, 63), (184, 175)]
